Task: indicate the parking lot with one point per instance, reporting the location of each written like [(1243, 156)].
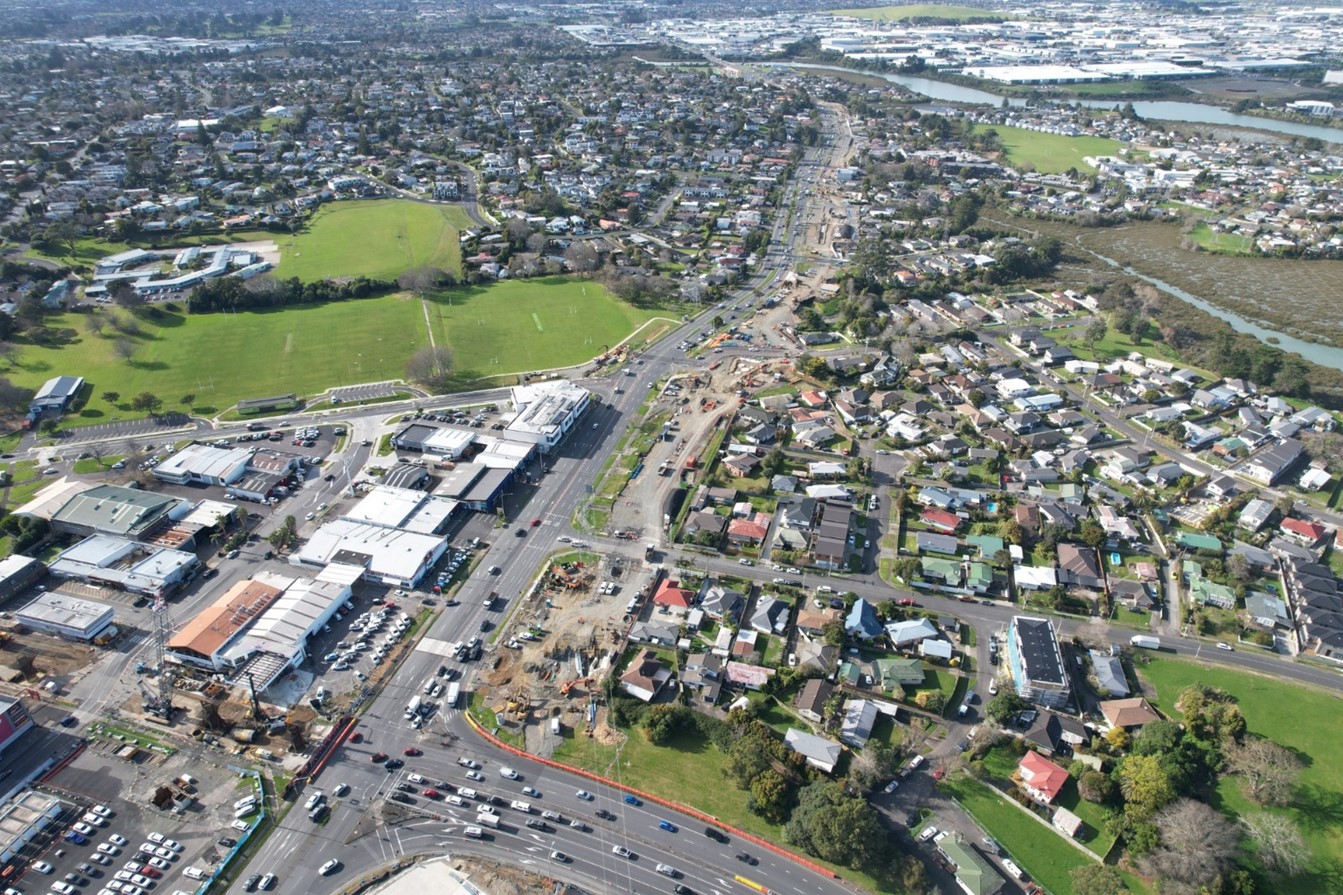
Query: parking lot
[(354, 393), (131, 825)]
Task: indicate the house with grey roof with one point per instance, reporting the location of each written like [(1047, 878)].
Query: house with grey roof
[(722, 603), (818, 752), (855, 727), (1109, 674), (770, 615)]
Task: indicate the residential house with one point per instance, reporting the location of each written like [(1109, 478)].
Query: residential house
[(1042, 780), (673, 596), (819, 752), (1305, 532), (1255, 515), (1079, 566), (1056, 734), (860, 716), (721, 603), (1269, 465), (703, 677), (811, 699), (1267, 610), (1133, 594), (941, 520), (750, 530), (927, 542), (1036, 662), (898, 672), (904, 633), (862, 621), (752, 677), (746, 645), (770, 615), (1129, 714), (974, 875), (935, 648), (645, 677)]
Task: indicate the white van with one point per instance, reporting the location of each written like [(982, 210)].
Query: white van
[(524, 807), (244, 802)]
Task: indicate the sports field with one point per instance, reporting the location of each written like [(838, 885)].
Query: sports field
[(533, 324), (223, 358), (1304, 720), (1049, 153), (918, 11), (379, 238)]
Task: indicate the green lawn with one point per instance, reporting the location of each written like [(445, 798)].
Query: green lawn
[(91, 464), (1300, 718), (223, 358), (665, 771), (1224, 243), (379, 238), (918, 11), (27, 481), (1049, 153), (376, 238), (536, 324), (1044, 855)]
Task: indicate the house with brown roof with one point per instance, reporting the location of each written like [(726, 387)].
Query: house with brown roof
[(1128, 713), (811, 699), (645, 677), (1079, 565)]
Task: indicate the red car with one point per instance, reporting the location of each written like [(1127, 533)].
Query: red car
[(378, 756), (906, 601), (430, 794), (357, 738), (411, 751), (535, 522), (389, 605)]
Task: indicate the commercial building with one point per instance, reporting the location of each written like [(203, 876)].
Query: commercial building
[(117, 510), (56, 395), (544, 412), (126, 565), (62, 615), (24, 817), (386, 555), (441, 441), (18, 573), (203, 640), (1036, 662), (408, 510), (204, 464)]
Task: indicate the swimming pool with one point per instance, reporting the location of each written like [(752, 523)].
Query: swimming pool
[(1115, 558)]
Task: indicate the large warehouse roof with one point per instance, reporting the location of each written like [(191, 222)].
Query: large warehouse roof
[(384, 552), (219, 622), (402, 508), (301, 609), (203, 461), (113, 509)]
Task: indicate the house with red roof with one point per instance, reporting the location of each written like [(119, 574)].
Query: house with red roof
[(1303, 531), (812, 399), (671, 594), (751, 530), (1041, 778), (941, 520)]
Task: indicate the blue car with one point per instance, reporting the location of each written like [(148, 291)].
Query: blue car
[(667, 825), (631, 800), (74, 837)]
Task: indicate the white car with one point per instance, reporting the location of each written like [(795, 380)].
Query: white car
[(167, 854), (93, 820), (108, 849), (155, 837), (101, 810), (622, 851), (82, 828), (117, 840), (42, 867), (469, 763), (63, 888), (160, 864), (194, 873), (509, 773), (329, 867)]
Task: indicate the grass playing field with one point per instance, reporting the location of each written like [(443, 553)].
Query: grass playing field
[(532, 324), (224, 358), (918, 11), (379, 238), (1049, 153), (1304, 720)]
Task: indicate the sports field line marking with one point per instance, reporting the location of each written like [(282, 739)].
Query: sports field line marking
[(537, 321), (288, 342)]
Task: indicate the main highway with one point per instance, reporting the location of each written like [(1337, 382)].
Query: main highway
[(361, 832)]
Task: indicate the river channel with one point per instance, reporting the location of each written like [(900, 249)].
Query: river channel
[(1163, 110)]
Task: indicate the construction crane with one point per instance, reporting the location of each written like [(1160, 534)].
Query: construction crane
[(163, 705), (256, 706)]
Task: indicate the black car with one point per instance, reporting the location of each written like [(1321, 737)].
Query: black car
[(521, 533), (228, 842), (400, 797), (405, 787), (250, 885), (541, 825), (210, 573), (442, 670), (392, 764), (748, 859), (715, 834), (682, 890), (605, 815), (485, 625)]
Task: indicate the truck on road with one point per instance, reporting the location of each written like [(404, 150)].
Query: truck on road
[(489, 820), (454, 692), (1143, 641)]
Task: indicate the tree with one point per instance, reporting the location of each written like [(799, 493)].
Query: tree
[(431, 366), (1002, 707), (771, 796), (111, 397), (188, 399), (124, 295), (1278, 843), (1094, 333), (580, 257), (1267, 770), (1145, 784), (1211, 714), (1097, 879), (835, 826), (124, 348), (662, 722), (1091, 533), (1197, 844), (931, 701), (146, 402), (65, 234), (1096, 787), (14, 397), (1118, 738), (833, 632), (420, 280), (95, 323)]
